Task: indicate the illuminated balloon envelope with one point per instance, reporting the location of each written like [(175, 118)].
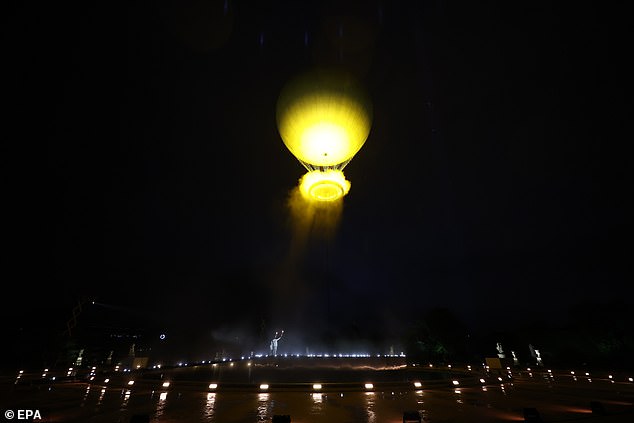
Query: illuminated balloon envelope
[(324, 118)]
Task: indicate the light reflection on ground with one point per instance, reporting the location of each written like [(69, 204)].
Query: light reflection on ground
[(208, 411)]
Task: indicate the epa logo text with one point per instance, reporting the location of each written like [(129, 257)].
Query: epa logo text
[(23, 415)]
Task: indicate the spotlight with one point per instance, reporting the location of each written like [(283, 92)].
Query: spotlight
[(281, 418), (411, 417), (597, 408), (531, 415), (264, 386), (369, 386)]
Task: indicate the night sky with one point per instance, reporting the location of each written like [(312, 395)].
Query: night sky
[(142, 166)]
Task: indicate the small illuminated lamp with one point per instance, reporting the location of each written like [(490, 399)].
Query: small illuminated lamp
[(166, 384), (630, 379), (106, 380), (213, 385), (317, 386), (324, 118), (417, 384), (264, 386), (131, 382), (609, 376), (482, 381), (572, 373), (455, 382), (369, 386), (587, 374)]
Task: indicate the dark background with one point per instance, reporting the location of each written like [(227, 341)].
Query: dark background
[(142, 169)]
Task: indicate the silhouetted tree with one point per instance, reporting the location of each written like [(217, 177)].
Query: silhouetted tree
[(439, 336)]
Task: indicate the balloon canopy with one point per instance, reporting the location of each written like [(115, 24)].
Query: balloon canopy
[(324, 118)]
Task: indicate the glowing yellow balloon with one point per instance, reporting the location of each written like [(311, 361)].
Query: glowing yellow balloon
[(324, 118)]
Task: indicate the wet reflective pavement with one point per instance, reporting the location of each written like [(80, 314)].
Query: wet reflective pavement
[(186, 396)]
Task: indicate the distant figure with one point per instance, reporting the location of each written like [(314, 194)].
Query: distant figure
[(79, 358), (538, 356), (274, 342), (515, 360), (500, 350)]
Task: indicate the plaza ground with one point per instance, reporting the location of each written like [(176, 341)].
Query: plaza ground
[(310, 391)]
